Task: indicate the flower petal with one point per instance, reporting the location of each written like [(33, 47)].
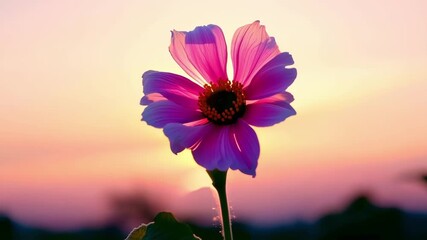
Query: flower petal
[(245, 147), (209, 153), (201, 53), (272, 78), (151, 97), (173, 87), (251, 48), (182, 136), (233, 146), (278, 98), (269, 111), (158, 114)]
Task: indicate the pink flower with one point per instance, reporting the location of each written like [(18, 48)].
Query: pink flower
[(211, 114)]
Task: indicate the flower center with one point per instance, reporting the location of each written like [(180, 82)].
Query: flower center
[(223, 102)]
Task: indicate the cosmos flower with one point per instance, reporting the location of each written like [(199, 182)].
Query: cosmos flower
[(212, 114)]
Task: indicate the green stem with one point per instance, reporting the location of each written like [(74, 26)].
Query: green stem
[(219, 179)]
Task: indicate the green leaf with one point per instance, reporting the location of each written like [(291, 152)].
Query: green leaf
[(164, 227)]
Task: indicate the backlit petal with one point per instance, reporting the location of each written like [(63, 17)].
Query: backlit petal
[(158, 114), (183, 136), (251, 48), (151, 97), (234, 146), (209, 153), (246, 149), (201, 53), (272, 78), (172, 87), (269, 111)]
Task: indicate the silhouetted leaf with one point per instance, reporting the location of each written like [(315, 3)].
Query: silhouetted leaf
[(164, 227), (138, 233)]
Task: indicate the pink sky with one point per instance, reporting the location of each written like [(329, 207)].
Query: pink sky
[(70, 129)]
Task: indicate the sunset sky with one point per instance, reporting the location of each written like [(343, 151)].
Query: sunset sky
[(70, 129)]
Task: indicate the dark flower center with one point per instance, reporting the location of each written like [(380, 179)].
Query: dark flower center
[(223, 102)]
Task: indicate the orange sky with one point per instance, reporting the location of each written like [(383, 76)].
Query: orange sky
[(70, 127)]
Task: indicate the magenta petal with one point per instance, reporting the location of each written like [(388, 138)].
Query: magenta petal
[(269, 111), (202, 53), (251, 48), (278, 98), (207, 50), (245, 147), (182, 136), (150, 98), (209, 153), (158, 114), (272, 78), (178, 52), (233, 146), (172, 87)]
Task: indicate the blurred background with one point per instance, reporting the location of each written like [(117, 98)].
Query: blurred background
[(76, 162)]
